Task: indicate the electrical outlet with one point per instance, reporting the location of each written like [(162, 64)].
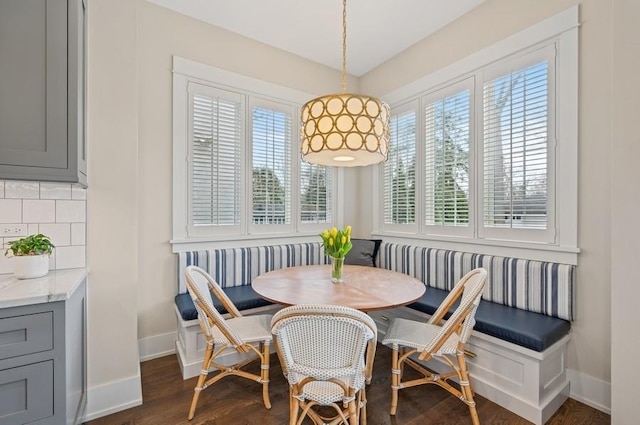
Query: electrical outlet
[(9, 230)]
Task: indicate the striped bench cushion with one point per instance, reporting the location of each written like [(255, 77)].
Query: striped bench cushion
[(537, 286), (238, 266)]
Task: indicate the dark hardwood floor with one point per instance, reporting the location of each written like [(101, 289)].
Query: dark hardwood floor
[(237, 401)]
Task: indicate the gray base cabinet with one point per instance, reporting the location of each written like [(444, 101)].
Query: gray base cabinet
[(42, 90), (43, 362)]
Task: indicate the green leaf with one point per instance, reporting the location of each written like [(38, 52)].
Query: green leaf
[(31, 245)]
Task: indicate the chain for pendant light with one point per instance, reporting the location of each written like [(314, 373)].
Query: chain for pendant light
[(344, 46)]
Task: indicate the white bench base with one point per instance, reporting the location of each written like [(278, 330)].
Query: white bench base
[(191, 343), (531, 384)]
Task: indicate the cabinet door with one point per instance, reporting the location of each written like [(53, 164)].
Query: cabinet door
[(26, 334), (77, 87), (27, 393), (33, 83)]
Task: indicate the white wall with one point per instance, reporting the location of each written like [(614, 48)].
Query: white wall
[(112, 207), (494, 20), (625, 203)]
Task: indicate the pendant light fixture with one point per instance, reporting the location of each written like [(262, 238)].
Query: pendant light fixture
[(345, 130)]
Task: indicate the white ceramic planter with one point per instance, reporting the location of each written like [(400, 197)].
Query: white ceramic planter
[(30, 266)]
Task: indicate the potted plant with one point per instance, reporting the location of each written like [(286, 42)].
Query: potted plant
[(30, 256)]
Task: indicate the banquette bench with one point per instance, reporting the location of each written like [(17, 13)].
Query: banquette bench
[(518, 348)]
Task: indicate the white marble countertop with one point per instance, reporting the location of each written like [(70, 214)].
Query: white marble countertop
[(58, 285)]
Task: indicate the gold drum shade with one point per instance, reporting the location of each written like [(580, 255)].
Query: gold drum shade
[(345, 130)]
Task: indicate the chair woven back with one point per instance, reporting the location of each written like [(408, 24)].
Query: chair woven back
[(324, 342), (469, 290), (199, 285)]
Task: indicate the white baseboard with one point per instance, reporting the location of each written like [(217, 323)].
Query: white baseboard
[(157, 346), (589, 390), (105, 399)]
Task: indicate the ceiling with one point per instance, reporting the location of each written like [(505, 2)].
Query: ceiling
[(377, 30)]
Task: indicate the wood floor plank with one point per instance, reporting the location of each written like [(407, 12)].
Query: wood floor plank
[(237, 401)]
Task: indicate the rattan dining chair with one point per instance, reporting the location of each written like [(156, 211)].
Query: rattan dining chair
[(326, 353), (434, 339), (248, 336)]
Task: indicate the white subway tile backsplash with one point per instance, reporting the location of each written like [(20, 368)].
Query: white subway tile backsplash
[(78, 192), (58, 210), (10, 211), (55, 191), (22, 190), (32, 229), (78, 234), (60, 233), (69, 257), (71, 211), (38, 211)]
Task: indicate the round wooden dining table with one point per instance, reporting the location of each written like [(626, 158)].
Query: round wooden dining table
[(364, 288)]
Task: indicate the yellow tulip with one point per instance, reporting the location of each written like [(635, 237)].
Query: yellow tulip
[(348, 230), (330, 241), (325, 234), (334, 232), (343, 240)]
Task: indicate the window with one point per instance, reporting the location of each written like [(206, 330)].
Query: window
[(215, 123), (235, 169), (271, 163), (447, 132), (315, 200), (400, 169), (517, 131), (484, 151)]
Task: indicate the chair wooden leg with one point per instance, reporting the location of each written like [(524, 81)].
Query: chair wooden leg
[(353, 412), (294, 407), (204, 371), (467, 391), (264, 375), (363, 410), (395, 379)]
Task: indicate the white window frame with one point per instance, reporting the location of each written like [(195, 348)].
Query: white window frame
[(561, 31), (186, 71)]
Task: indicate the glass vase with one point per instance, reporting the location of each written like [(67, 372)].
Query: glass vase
[(336, 269)]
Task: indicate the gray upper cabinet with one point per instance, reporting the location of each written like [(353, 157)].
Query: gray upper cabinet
[(42, 90)]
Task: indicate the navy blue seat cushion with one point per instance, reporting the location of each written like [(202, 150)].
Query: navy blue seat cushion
[(525, 328), (363, 252), (244, 297)]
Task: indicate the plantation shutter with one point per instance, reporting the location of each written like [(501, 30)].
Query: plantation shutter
[(516, 148), (315, 193), (400, 170), (271, 161), (215, 124), (447, 121)]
